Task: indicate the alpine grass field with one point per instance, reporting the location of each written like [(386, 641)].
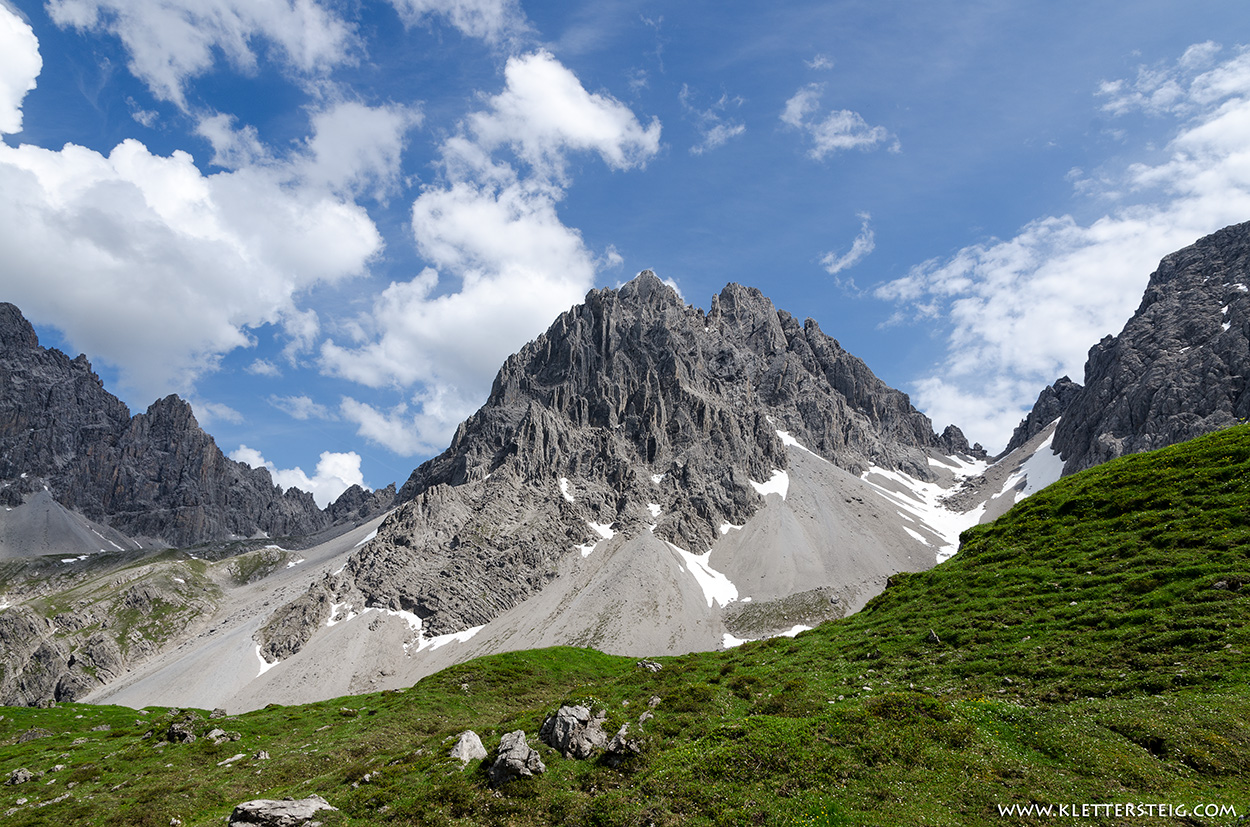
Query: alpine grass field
[(1088, 648)]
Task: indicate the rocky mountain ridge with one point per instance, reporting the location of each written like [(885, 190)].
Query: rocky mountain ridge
[(155, 476), (633, 412), (1177, 370)]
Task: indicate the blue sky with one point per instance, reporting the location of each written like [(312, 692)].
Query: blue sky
[(326, 223)]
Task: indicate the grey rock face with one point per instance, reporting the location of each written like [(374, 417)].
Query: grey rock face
[(1050, 405), (515, 759), (1179, 368), (266, 812), (630, 399), (574, 732), (468, 748), (356, 505), (154, 475)]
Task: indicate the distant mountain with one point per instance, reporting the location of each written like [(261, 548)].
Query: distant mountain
[(155, 476), (1178, 369), (643, 429)]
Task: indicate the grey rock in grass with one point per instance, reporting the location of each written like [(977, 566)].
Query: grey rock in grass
[(515, 759), (181, 732), (622, 746), (574, 731), (34, 734), (468, 747), (19, 776), (266, 812)]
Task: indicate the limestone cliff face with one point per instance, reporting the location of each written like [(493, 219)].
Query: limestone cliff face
[(1050, 405), (1179, 368), (155, 475), (632, 410)]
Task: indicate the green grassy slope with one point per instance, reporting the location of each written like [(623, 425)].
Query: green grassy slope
[(1087, 648)]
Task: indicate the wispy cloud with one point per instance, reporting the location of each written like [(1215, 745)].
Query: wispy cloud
[(836, 131), (714, 129), (172, 41), (494, 21), (863, 245)]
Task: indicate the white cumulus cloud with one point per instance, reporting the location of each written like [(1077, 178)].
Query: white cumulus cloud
[(544, 113), (335, 473), (20, 65), (1023, 311), (503, 263)]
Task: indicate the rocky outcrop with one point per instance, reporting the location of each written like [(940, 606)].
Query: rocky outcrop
[(155, 475), (632, 409), (116, 615), (515, 759), (1050, 405), (264, 812), (574, 732), (1179, 368)]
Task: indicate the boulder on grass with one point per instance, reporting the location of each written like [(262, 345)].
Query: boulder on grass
[(264, 812), (516, 758), (468, 747), (574, 731)]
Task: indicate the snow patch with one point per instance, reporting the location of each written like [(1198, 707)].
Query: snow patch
[(923, 503), (442, 640), (290, 564), (279, 548), (180, 580), (604, 530), (725, 528), (371, 535), (107, 540), (73, 559), (1236, 284), (1041, 469), (715, 585), (587, 548), (564, 489), (335, 609), (658, 478), (790, 442), (265, 665), (794, 630), (654, 508), (729, 641), (778, 483), (1226, 326)]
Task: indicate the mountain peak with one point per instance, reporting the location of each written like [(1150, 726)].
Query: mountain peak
[(15, 330)]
